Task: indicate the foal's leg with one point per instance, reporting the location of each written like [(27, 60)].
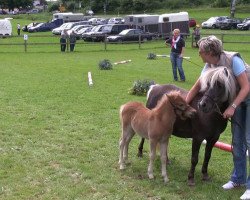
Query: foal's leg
[(164, 146), (127, 134), (152, 158)]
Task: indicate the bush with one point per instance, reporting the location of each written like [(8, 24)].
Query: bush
[(151, 56), (105, 65), (141, 87)]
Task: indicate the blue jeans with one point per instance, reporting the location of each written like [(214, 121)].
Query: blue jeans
[(176, 61), (241, 142)]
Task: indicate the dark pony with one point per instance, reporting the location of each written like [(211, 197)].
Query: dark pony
[(218, 89)]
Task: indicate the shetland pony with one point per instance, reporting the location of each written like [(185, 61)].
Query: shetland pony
[(155, 125), (218, 89)]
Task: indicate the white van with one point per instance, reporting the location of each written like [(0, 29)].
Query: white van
[(5, 27)]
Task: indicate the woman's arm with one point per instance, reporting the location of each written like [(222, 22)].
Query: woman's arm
[(193, 92)]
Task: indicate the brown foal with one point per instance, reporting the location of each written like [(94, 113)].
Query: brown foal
[(156, 125)]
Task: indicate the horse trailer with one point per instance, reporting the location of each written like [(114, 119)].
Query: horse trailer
[(161, 24), (5, 27), (169, 22)]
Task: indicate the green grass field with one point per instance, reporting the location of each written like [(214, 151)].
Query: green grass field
[(59, 137)]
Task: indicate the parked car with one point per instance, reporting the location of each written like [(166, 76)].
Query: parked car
[(131, 35), (228, 24), (245, 25), (48, 26), (68, 25), (33, 11), (26, 27), (116, 20), (96, 21), (108, 29), (77, 30), (88, 36), (82, 31), (213, 22), (192, 22)]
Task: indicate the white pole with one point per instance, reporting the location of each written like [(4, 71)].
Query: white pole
[(90, 79)]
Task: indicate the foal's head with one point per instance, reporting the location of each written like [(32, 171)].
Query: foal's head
[(219, 87), (181, 108)]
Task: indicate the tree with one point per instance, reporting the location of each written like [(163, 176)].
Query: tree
[(233, 7)]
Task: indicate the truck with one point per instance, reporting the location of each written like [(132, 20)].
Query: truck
[(5, 27)]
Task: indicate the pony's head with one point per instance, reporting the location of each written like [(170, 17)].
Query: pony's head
[(219, 87)]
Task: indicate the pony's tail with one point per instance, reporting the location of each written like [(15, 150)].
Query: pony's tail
[(150, 89)]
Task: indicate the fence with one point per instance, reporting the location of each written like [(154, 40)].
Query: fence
[(25, 42)]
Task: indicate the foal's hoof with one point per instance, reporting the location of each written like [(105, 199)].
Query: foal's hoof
[(191, 182), (166, 180), (151, 176), (122, 167)]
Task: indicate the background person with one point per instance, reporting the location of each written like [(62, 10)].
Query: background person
[(177, 50), (18, 29), (63, 40), (197, 34), (72, 40), (212, 53)]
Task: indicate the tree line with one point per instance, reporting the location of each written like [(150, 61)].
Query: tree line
[(119, 6)]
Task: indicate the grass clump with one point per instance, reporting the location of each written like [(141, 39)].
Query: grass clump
[(141, 87), (105, 65)]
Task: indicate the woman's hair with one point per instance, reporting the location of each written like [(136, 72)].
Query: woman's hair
[(211, 44)]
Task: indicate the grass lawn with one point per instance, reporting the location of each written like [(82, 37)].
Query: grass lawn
[(59, 137)]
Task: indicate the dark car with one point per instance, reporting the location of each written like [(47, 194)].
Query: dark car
[(245, 25), (228, 24), (46, 26), (131, 35), (109, 29), (88, 36)]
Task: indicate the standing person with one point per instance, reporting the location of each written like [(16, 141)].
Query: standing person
[(177, 50), (18, 29), (72, 40), (212, 53), (63, 40), (197, 34)]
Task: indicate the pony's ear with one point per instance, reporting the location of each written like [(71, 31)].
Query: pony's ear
[(226, 71)]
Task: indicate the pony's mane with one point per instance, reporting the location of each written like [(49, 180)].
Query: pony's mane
[(225, 76)]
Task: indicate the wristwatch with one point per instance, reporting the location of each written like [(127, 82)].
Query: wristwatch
[(234, 105)]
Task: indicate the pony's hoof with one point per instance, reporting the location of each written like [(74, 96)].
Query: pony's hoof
[(139, 154), (205, 177), (191, 182)]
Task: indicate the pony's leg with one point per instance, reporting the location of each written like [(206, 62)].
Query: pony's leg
[(140, 148), (163, 152), (208, 152), (196, 144), (152, 158)]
